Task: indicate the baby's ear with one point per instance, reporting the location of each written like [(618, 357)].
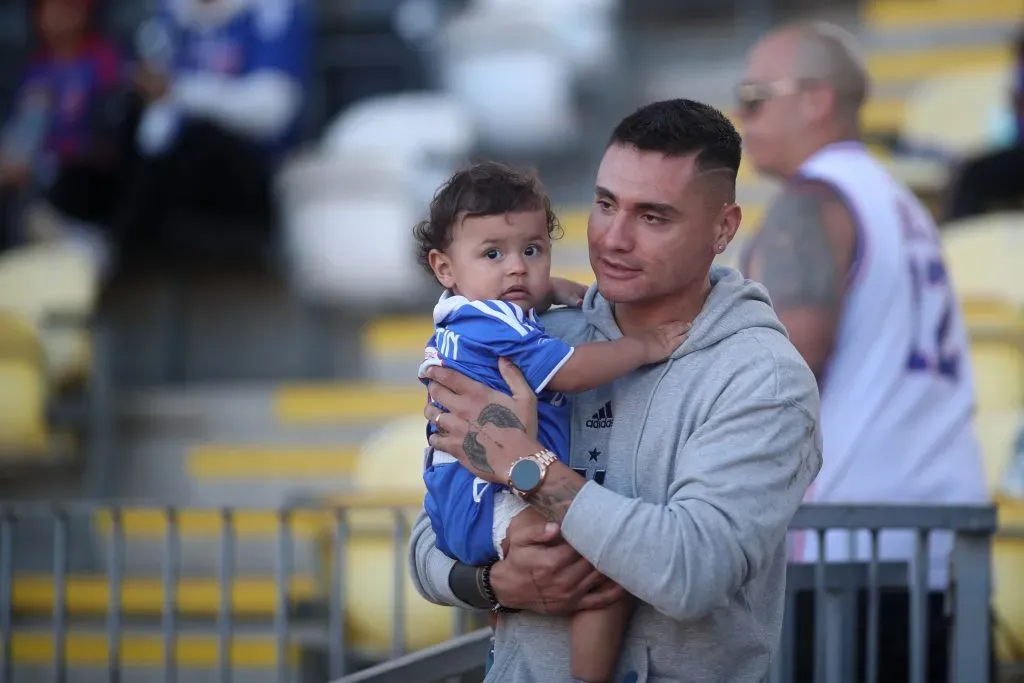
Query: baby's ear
[(442, 267)]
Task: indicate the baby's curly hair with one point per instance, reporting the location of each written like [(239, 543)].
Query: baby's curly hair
[(485, 188)]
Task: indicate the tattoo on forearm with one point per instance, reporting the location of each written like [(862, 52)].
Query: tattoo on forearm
[(477, 453), (794, 255), (554, 499), (500, 416)]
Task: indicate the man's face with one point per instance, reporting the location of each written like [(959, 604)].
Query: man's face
[(653, 226), (769, 104)]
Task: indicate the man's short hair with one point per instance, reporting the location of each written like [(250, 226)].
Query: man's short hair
[(485, 188), (678, 128)]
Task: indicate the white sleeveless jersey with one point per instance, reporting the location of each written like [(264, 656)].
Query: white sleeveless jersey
[(897, 397)]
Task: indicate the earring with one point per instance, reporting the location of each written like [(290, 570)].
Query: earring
[(719, 248)]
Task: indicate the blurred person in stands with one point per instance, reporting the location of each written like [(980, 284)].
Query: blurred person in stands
[(854, 267), (57, 141), (683, 476), (995, 180), (225, 87)]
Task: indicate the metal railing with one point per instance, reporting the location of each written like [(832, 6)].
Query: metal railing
[(104, 538), (332, 530), (836, 586)]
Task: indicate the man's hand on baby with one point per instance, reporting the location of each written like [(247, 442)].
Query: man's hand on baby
[(660, 342), (543, 574)]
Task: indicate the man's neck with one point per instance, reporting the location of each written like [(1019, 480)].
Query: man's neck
[(814, 143), (684, 306)]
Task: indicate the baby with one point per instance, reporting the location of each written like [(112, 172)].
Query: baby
[(488, 242)]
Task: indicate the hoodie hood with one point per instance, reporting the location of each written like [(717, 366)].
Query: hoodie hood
[(746, 302)]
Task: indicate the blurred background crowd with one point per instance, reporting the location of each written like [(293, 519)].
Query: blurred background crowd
[(208, 288)]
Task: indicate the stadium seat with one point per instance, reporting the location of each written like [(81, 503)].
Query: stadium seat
[(432, 131), (997, 432), (42, 280), (347, 221), (586, 28), (952, 113), (997, 355), (516, 78), (983, 255), (387, 470), (23, 390), (37, 358), (1008, 597)]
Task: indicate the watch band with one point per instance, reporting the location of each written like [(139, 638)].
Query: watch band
[(546, 457), (488, 590)]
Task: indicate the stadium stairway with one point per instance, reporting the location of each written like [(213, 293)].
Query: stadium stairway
[(202, 449)]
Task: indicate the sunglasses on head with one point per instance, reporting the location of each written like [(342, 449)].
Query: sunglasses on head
[(750, 96)]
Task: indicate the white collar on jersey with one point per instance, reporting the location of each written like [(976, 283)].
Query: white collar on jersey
[(452, 302)]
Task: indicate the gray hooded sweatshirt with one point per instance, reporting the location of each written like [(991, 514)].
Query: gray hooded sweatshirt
[(696, 466)]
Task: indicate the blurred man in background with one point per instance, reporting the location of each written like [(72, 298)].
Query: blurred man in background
[(854, 268), (225, 84), (57, 140), (995, 180)]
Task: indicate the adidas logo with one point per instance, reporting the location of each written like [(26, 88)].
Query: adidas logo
[(602, 419)]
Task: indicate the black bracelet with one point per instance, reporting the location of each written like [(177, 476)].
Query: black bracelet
[(488, 591)]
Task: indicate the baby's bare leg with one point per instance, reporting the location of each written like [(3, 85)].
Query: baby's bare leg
[(595, 635), (596, 640)]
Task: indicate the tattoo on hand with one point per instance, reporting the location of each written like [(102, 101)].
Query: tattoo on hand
[(500, 416), (476, 453)]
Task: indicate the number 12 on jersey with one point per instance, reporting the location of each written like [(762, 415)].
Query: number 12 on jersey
[(932, 349)]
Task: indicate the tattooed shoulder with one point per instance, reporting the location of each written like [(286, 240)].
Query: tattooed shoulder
[(798, 255)]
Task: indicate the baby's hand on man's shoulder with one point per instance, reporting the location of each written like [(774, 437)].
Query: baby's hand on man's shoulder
[(661, 341)]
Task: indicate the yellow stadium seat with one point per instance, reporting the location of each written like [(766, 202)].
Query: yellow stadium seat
[(1008, 561), (997, 355), (952, 111), (44, 279), (388, 473), (983, 255), (23, 429), (997, 432)]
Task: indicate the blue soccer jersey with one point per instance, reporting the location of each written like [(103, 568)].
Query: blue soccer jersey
[(470, 337), (268, 35)]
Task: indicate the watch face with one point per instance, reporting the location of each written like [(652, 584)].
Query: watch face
[(525, 475)]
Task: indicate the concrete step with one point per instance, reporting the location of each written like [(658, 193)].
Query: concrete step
[(908, 65), (196, 656), (918, 15), (240, 462), (164, 470), (89, 595), (255, 537)]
